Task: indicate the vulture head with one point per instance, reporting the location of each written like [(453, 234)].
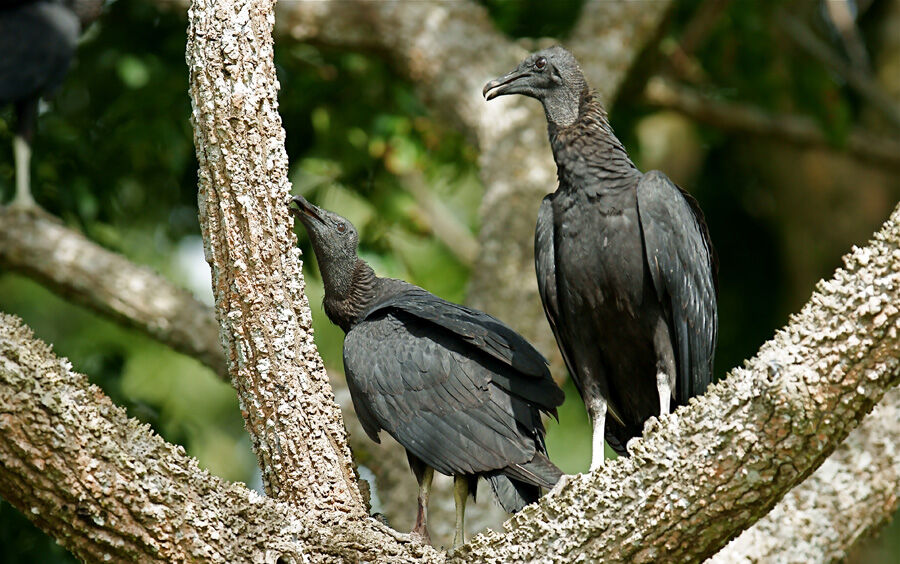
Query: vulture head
[(552, 76), (334, 241)]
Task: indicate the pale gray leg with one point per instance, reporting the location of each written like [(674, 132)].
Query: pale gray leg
[(421, 526), (460, 495), (597, 412), (665, 392), (22, 154)]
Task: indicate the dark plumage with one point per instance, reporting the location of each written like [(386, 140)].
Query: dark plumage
[(625, 266), (461, 391), (37, 42)]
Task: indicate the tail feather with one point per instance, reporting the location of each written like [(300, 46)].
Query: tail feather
[(520, 484), (513, 495)]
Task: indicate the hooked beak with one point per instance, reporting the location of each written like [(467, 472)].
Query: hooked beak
[(503, 85), (303, 208)]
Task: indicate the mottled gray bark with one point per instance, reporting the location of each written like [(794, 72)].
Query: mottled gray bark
[(66, 262), (288, 407), (847, 499), (109, 489)]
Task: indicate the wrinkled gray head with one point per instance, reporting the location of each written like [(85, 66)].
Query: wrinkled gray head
[(551, 75), (334, 240)]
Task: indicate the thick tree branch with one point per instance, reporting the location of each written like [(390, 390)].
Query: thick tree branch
[(796, 129), (74, 267), (109, 489), (847, 499), (289, 409), (706, 472)]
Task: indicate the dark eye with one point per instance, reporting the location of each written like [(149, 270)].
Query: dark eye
[(341, 227), (540, 63)]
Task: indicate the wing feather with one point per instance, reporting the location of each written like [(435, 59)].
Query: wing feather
[(423, 387), (682, 265)]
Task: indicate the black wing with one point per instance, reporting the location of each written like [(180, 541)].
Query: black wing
[(545, 268), (37, 42), (487, 333), (682, 265), (423, 385)]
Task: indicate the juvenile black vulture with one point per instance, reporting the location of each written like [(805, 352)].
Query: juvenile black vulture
[(625, 265), (462, 392), (37, 42)]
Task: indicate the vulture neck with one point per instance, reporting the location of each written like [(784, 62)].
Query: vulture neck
[(346, 308), (588, 154)]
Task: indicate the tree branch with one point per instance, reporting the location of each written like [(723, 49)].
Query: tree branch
[(108, 488), (847, 499), (294, 423), (69, 264), (857, 78), (799, 130), (706, 472)]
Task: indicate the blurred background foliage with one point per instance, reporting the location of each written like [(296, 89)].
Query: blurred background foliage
[(114, 158)]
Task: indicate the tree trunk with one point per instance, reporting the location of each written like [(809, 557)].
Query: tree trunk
[(288, 407)]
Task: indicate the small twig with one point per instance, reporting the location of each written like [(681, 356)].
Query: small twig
[(800, 130), (800, 34), (443, 223), (66, 262)]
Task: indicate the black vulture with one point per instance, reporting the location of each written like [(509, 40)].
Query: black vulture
[(37, 42), (459, 390), (625, 265)]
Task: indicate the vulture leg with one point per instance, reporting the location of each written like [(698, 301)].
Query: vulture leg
[(665, 392), (22, 152), (597, 411), (26, 115), (460, 494), (424, 475)]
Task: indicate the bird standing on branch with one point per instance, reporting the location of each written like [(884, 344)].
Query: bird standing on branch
[(37, 42), (625, 265), (462, 392)]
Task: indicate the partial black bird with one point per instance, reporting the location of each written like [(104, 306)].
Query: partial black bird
[(462, 392), (625, 265), (37, 42)]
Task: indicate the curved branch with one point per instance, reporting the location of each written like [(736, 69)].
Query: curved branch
[(848, 498), (288, 406), (701, 475), (108, 488), (69, 264), (800, 130)]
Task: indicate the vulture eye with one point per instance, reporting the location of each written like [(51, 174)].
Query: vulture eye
[(540, 63), (341, 227)]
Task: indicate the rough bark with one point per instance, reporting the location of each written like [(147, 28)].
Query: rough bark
[(704, 473), (288, 407), (848, 498), (109, 489), (69, 264)]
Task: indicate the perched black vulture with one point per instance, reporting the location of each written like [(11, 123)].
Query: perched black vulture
[(462, 392), (625, 266), (37, 41)]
